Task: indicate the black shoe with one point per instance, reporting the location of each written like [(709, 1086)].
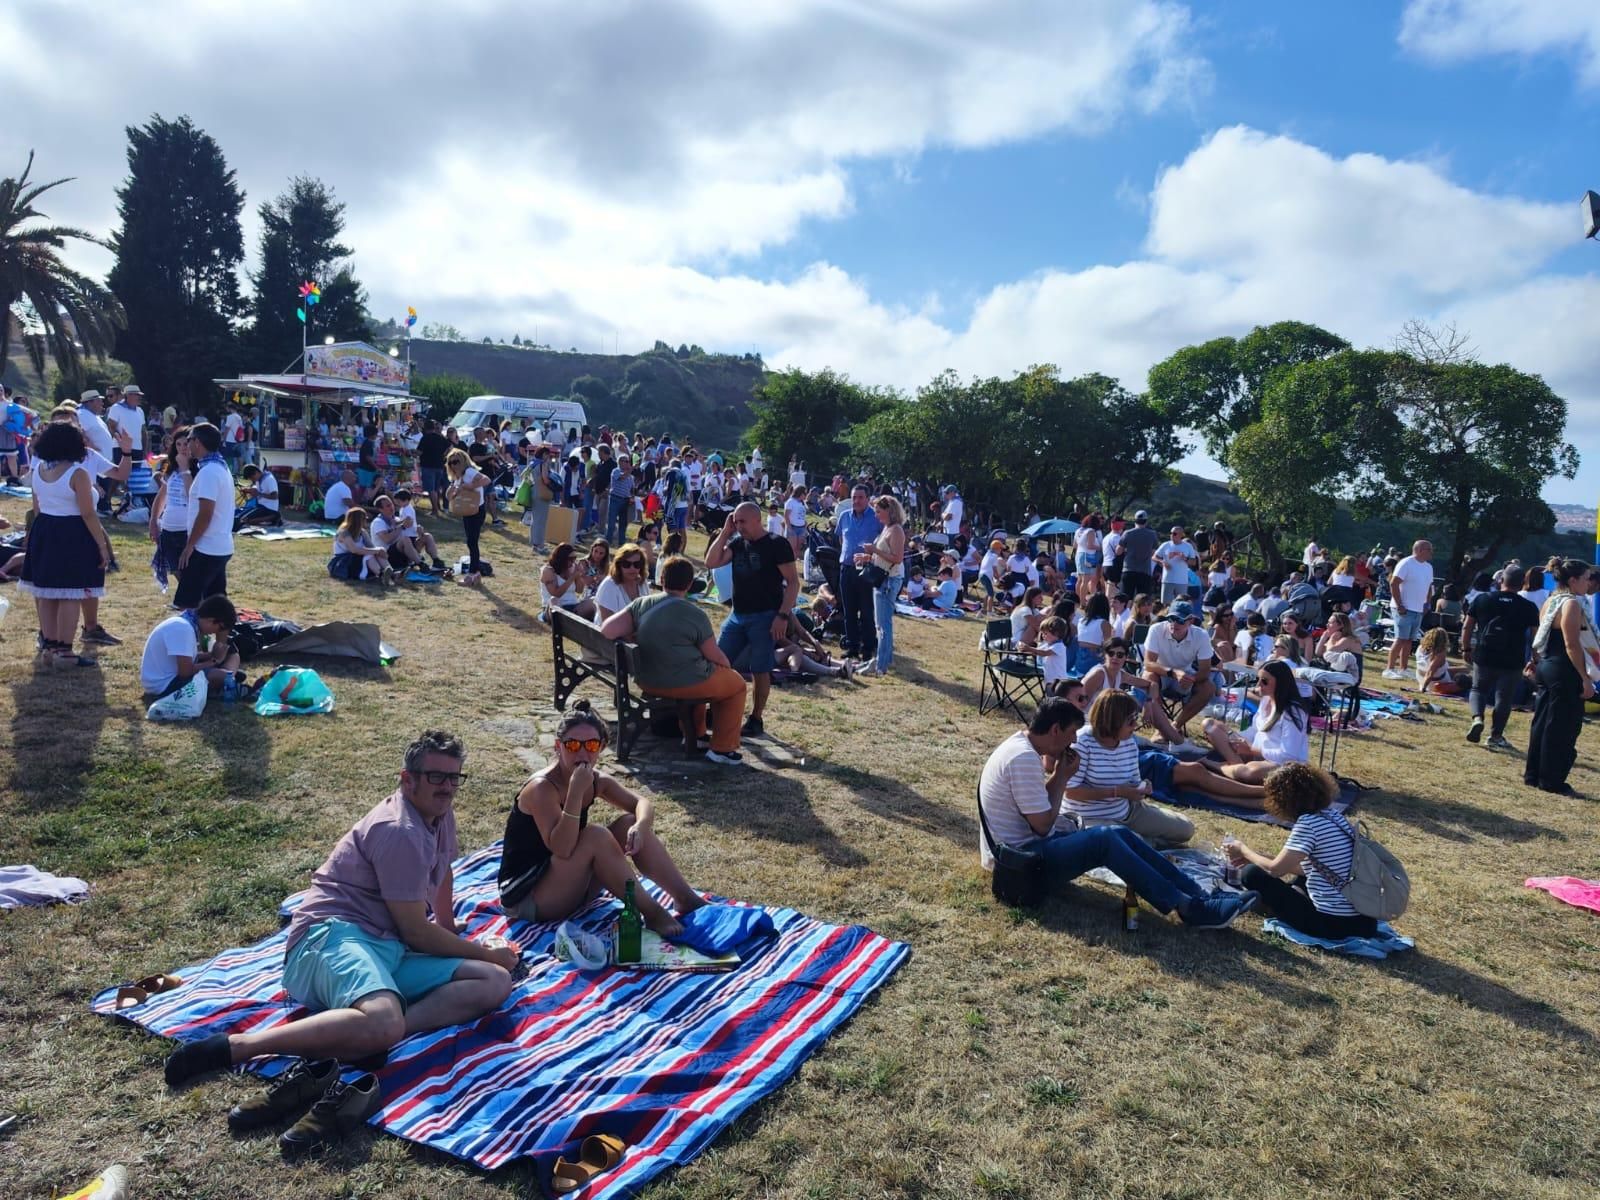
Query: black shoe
[(1561, 789), (1475, 730), (343, 1107), (752, 727), (100, 636), (194, 1059), (289, 1095), (1497, 742)]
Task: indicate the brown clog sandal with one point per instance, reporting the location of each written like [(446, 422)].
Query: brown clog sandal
[(600, 1153), (129, 996), (156, 984)]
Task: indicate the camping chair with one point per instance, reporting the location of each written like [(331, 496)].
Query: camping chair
[(1007, 678)]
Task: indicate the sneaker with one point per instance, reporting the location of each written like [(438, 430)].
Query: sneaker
[(752, 727), (1218, 912), (194, 1059), (1475, 730), (497, 521), (847, 670), (867, 669), (289, 1095), (1391, 673), (99, 636), (1496, 742), (730, 758), (343, 1107)]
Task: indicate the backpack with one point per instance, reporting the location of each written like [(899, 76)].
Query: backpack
[(1497, 637), (1377, 885)]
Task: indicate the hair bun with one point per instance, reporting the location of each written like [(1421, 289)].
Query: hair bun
[(582, 706)]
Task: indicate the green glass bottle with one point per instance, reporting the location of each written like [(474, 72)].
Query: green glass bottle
[(630, 929)]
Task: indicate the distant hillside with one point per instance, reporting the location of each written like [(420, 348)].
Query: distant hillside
[(701, 396)]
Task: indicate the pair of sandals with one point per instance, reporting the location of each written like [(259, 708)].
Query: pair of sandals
[(599, 1154), (130, 995)]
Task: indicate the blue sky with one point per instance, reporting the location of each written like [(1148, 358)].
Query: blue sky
[(892, 187)]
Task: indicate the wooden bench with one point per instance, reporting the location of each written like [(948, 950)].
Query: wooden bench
[(582, 652)]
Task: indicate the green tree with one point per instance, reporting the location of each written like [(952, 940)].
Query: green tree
[(807, 415), (1216, 388), (446, 393), (71, 314), (299, 242), (178, 253)]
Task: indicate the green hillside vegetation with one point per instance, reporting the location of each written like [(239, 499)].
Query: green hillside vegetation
[(686, 392)]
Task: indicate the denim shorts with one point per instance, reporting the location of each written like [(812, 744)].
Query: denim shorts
[(1156, 768), (747, 638), (337, 963), (433, 479), (1407, 626)]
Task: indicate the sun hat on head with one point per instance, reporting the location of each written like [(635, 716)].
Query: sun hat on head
[(91, 394), (133, 389)]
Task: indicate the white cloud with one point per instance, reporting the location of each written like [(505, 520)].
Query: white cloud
[(1451, 31)]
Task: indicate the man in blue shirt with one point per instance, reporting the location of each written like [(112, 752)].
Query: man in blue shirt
[(858, 527)]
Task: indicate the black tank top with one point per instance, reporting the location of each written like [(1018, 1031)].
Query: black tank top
[(524, 857)]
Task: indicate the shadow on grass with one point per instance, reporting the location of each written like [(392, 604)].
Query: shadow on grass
[(509, 614), (1447, 979), (58, 714), (894, 801), (765, 804), (242, 744), (1455, 821), (911, 671)]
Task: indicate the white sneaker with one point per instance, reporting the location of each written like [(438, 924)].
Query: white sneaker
[(1391, 673), (870, 668)]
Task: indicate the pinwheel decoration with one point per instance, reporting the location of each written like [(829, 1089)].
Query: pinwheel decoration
[(411, 316), (310, 293)]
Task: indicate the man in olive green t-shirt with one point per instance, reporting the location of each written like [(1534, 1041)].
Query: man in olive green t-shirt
[(679, 658)]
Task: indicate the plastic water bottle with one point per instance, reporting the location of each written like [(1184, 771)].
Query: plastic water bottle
[(1230, 873)]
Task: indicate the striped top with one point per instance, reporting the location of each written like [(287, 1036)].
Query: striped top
[(1328, 838), (1099, 767)]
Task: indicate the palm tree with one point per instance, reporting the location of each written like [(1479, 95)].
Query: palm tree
[(79, 315)]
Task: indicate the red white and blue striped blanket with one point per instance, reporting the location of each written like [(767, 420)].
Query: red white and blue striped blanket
[(663, 1060)]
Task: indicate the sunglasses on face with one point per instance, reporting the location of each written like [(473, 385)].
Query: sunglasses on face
[(636, 563), (440, 778), (1116, 654), (592, 745)]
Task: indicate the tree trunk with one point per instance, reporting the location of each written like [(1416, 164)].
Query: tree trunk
[(1460, 542), (1266, 539)]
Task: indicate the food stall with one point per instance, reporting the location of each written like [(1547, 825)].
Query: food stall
[(344, 387)]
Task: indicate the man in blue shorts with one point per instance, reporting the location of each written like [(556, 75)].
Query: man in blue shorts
[(765, 585), (372, 950)]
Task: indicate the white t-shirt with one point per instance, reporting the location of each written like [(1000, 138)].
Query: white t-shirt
[(509, 438), (1537, 596), (1054, 660), (1108, 546), (96, 434), (1099, 767), (1122, 623), (215, 483), (267, 491), (1311, 552), (1021, 564), (755, 460), (775, 525), (1019, 621), (695, 471), (1413, 579), (175, 510), (1262, 644), (991, 560), (795, 511), (610, 596), (1186, 655), (1217, 579), (1245, 604), (1091, 631), (335, 501), (169, 641), (797, 478), (408, 512), (1174, 558), (383, 528), (953, 508), (1328, 838), (1284, 742), (128, 417), (232, 426), (1011, 785)]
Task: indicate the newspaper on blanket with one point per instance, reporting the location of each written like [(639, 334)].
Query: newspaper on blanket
[(658, 954)]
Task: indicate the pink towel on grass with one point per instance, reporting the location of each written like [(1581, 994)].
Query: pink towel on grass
[(1583, 893)]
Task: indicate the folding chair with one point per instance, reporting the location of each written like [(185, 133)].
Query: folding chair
[(1007, 679)]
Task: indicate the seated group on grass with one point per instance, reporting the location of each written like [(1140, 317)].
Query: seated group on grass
[(383, 547), (373, 951)]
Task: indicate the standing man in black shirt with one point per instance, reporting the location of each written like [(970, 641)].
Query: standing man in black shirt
[(1502, 622), (431, 449), (765, 585), (600, 485)]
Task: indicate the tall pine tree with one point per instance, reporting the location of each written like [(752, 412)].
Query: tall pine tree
[(300, 241), (178, 255)]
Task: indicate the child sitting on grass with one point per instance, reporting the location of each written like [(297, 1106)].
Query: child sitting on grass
[(1433, 665)]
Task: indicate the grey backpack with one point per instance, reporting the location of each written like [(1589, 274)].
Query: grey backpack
[(1377, 885)]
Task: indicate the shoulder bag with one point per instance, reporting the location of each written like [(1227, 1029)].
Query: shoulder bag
[(1019, 875), (1377, 885), (465, 501)]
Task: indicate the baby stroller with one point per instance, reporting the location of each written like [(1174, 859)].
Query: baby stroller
[(712, 519), (822, 549)]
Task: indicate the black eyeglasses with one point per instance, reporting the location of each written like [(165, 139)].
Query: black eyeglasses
[(439, 778)]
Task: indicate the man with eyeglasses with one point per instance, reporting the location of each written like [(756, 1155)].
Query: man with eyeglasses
[(373, 950)]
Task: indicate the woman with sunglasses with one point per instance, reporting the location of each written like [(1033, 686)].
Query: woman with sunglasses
[(560, 585), (1279, 732), (554, 861), (1112, 675), (626, 581)]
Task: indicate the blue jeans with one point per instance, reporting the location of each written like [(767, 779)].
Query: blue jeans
[(1152, 877), (883, 599), (616, 531)]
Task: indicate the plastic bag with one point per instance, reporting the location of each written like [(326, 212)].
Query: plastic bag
[(293, 690), (185, 704)]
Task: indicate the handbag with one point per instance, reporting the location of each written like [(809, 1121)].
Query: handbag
[(1018, 877), (873, 575), (465, 502), (1377, 885)]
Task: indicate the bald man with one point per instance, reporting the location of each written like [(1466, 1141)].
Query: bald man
[(765, 585), (1409, 587)]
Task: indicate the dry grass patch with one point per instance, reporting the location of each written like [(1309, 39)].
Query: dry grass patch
[(1016, 1055)]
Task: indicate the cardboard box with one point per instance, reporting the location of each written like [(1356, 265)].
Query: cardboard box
[(562, 525)]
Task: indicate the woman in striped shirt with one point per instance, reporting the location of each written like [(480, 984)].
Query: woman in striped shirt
[(1106, 788), (1298, 886)]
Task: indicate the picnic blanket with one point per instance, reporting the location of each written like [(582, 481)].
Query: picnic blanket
[(1200, 861), (1386, 942), (927, 614), (1346, 799), (286, 533), (663, 1060), (17, 490), (1580, 893)]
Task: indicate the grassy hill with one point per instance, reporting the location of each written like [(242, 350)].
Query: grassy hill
[(698, 395)]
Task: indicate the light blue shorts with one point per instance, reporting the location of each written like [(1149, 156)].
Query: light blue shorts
[(1407, 626), (338, 963)]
